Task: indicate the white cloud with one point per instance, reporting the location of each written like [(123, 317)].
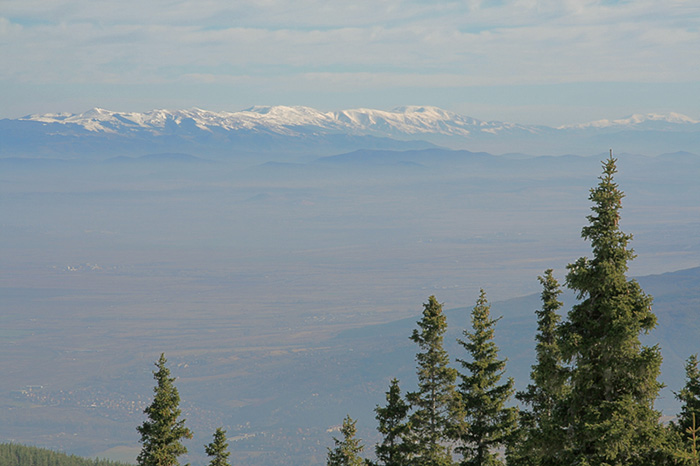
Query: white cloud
[(416, 43)]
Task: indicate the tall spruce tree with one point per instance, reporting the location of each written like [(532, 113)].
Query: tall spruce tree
[(541, 439), (486, 423), (689, 396), (395, 448), (614, 378), (347, 450), (162, 433), (433, 403), (687, 425), (217, 450)]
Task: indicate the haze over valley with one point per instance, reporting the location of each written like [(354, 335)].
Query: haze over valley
[(283, 286), (269, 192)]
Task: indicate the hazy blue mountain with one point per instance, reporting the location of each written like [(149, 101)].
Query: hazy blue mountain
[(162, 158), (676, 305)]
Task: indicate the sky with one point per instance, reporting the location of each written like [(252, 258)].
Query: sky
[(550, 62)]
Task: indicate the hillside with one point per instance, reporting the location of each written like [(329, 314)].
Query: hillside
[(12, 454)]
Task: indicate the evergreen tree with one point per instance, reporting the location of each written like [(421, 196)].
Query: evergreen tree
[(14, 454), (434, 401), (347, 451), (687, 425), (540, 438), (395, 448), (162, 433), (218, 449), (614, 378), (689, 396), (487, 423)]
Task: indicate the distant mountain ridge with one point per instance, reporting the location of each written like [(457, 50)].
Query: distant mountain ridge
[(290, 121), (408, 120), (670, 121), (285, 129)]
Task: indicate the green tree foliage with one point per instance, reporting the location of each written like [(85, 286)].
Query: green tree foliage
[(395, 448), (687, 425), (486, 423), (347, 450), (686, 452), (689, 396), (218, 449), (434, 401), (540, 438), (12, 454), (162, 433), (614, 378)]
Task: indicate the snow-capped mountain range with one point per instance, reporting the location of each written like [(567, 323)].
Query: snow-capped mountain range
[(288, 121), (638, 121), (304, 129), (411, 120)]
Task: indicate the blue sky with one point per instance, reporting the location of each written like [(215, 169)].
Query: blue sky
[(545, 62)]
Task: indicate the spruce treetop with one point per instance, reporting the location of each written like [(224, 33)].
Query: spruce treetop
[(395, 448), (162, 433), (347, 450), (689, 396), (541, 439), (613, 377), (485, 422), (218, 449), (548, 374), (433, 402)]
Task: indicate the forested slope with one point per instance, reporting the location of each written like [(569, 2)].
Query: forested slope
[(12, 454)]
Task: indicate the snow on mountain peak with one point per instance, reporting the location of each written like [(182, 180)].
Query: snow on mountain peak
[(97, 112), (281, 115), (408, 120), (281, 110), (432, 112), (401, 122), (280, 119), (637, 119)]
